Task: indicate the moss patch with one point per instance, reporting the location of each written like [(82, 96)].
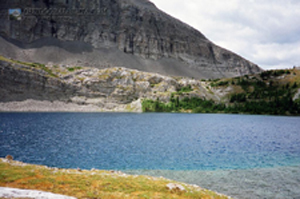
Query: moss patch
[(33, 65)]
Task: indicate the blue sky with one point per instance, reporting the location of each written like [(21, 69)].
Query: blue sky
[(266, 32)]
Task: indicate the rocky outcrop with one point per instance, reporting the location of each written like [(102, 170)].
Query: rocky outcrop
[(108, 33), (6, 192), (86, 88), (19, 82), (38, 87), (297, 95), (175, 188)]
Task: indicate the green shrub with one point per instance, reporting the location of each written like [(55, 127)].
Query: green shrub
[(72, 69), (221, 83), (295, 85), (185, 89), (197, 105), (240, 97)]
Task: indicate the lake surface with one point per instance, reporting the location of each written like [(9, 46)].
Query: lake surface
[(240, 155)]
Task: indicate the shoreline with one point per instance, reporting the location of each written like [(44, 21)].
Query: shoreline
[(279, 182), (43, 106), (6, 192), (96, 183), (59, 106)]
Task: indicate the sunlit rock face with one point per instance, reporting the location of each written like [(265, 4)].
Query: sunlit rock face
[(111, 89)]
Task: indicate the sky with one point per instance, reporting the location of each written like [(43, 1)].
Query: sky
[(266, 32)]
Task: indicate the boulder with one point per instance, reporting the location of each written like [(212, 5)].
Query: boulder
[(175, 188)]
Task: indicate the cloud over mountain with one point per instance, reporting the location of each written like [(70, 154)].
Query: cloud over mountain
[(265, 32)]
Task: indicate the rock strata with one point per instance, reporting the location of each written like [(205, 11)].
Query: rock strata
[(108, 33), (59, 88), (38, 87)]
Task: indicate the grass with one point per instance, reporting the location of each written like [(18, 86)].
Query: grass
[(94, 184), (34, 65), (72, 69), (184, 89)]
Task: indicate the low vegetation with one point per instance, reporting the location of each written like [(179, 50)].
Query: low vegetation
[(71, 69), (33, 65), (95, 183), (270, 92), (273, 92), (53, 71), (185, 89), (220, 83), (267, 94), (196, 105), (275, 73)]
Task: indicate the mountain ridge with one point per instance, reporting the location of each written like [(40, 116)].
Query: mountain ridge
[(130, 33)]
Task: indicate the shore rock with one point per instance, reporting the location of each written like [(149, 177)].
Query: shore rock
[(24, 193), (175, 187)]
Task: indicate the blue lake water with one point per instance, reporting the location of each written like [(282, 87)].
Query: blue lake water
[(171, 145)]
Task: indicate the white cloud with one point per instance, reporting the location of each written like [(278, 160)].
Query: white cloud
[(264, 32)]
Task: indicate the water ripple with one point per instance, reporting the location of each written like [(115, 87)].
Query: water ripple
[(150, 141)]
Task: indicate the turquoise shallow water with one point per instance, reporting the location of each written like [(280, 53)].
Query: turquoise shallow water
[(210, 150), (259, 183)]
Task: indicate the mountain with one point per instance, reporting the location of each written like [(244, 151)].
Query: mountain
[(113, 33)]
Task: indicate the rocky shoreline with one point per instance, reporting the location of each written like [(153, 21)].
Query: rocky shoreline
[(35, 181), (25, 193), (59, 106)]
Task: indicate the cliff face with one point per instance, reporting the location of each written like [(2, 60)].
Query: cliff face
[(102, 33), (38, 87), (112, 89), (19, 82)]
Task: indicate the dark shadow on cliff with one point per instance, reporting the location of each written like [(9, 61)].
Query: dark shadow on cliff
[(76, 47)]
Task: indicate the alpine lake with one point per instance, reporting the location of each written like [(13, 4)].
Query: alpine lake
[(243, 156)]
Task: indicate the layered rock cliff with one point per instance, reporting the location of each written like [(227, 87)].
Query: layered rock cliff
[(109, 33), (37, 87), (111, 89)]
